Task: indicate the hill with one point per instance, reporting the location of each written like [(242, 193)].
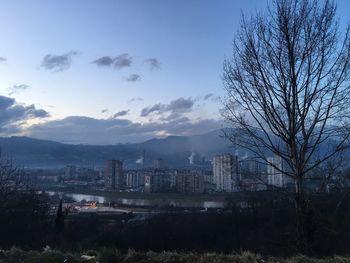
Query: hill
[(174, 150)]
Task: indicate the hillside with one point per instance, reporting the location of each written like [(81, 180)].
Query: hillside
[(174, 150)]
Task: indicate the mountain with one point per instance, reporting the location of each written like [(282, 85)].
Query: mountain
[(174, 150)]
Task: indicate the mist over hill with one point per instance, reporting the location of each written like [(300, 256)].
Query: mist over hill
[(174, 150)]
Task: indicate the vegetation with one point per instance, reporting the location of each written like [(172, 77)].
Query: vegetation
[(260, 222), (110, 255), (264, 224), (24, 214)]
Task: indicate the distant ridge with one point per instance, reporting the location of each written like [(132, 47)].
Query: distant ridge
[(174, 150)]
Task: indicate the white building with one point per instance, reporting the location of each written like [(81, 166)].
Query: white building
[(275, 172), (135, 179), (226, 173)]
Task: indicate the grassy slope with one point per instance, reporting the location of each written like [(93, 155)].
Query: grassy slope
[(107, 255)]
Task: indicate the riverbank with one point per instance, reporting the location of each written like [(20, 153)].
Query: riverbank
[(141, 199), (109, 255), (143, 195)]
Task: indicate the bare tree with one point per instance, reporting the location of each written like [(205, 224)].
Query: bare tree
[(24, 212), (288, 92), (9, 175)]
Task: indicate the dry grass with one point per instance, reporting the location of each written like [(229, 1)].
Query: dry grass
[(109, 255)]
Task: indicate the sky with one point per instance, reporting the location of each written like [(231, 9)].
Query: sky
[(122, 71)]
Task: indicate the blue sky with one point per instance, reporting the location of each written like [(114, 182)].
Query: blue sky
[(165, 61)]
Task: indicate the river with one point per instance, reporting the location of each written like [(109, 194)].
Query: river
[(186, 203)]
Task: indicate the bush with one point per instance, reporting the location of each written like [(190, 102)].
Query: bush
[(109, 255), (16, 255)]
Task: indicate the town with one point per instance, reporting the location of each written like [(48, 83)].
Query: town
[(225, 173)]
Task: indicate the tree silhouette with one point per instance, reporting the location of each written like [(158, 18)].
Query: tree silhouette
[(287, 87)]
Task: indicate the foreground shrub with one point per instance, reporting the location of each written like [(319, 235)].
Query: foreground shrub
[(16, 255), (109, 255)]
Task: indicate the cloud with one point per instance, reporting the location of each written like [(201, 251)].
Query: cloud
[(153, 63), (148, 110), (133, 78), (180, 104), (58, 62), (208, 96), (121, 113), (17, 89), (86, 130), (81, 129), (135, 99), (175, 106), (6, 102), (174, 116), (105, 61), (122, 61), (212, 97), (2, 59), (13, 115)]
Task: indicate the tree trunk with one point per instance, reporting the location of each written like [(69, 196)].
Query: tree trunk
[(301, 246), (304, 219)]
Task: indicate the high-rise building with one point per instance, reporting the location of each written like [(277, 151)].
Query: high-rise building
[(114, 174), (158, 180), (70, 172), (135, 179), (275, 172), (190, 181), (226, 173), (158, 164), (253, 174)]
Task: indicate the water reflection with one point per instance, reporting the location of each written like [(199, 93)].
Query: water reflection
[(142, 202)]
